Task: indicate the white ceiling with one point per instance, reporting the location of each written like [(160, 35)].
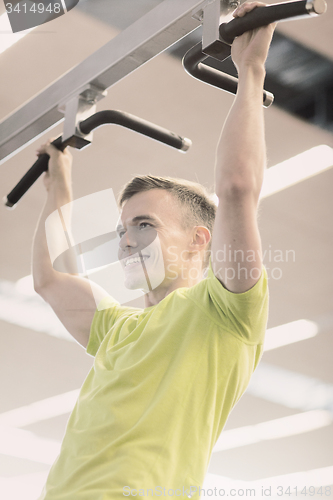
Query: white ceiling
[(34, 365)]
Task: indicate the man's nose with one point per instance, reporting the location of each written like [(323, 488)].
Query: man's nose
[(129, 239)]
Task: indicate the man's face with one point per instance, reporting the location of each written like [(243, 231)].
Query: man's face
[(151, 235)]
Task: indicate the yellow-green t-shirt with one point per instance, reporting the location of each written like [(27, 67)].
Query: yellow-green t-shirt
[(164, 381)]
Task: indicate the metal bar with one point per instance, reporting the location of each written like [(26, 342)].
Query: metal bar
[(214, 13), (148, 36)]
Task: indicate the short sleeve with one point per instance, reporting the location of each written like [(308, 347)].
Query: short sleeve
[(107, 313), (243, 314), (104, 318)]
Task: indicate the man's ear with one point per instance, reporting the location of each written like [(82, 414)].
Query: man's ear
[(200, 238)]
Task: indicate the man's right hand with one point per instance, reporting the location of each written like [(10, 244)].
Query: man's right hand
[(60, 163)]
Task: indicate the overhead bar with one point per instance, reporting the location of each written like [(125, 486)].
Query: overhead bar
[(147, 37)]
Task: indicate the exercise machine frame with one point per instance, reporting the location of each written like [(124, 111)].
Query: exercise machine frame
[(161, 27)]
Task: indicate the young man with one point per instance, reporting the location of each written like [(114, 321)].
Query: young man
[(166, 377)]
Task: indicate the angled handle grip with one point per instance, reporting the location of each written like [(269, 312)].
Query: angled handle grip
[(262, 16), (192, 63), (137, 125)]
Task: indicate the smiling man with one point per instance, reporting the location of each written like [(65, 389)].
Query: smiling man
[(180, 264), (166, 377)]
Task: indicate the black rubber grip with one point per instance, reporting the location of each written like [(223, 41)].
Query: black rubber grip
[(40, 166), (134, 123), (262, 16)]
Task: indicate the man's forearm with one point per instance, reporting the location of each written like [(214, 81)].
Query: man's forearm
[(241, 152), (59, 193)]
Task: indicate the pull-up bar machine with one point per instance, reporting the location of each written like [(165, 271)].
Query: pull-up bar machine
[(164, 25), (219, 46)]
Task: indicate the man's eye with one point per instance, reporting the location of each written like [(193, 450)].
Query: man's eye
[(142, 224)]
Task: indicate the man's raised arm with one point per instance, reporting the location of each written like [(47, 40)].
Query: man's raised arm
[(240, 163), (70, 296)]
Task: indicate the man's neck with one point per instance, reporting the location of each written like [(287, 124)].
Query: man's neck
[(155, 296)]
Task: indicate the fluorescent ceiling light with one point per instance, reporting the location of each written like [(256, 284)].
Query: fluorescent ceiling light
[(35, 313), (273, 429), (25, 286), (27, 486), (7, 37), (314, 477), (290, 389), (289, 333), (296, 169), (26, 445), (40, 410)]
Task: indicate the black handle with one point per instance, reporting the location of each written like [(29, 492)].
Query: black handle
[(86, 126), (261, 16), (137, 124), (40, 166), (192, 64)]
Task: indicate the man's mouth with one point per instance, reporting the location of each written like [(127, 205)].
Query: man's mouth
[(132, 261)]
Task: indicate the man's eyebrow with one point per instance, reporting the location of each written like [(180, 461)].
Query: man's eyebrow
[(137, 219)]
